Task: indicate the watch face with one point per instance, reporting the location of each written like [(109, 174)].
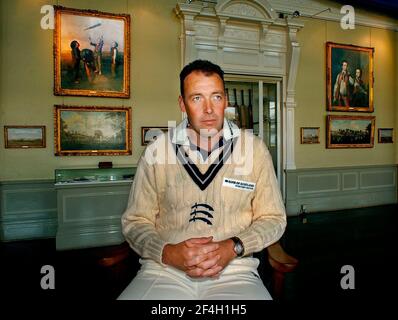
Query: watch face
[(238, 248)]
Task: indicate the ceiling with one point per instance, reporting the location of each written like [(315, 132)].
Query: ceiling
[(386, 7)]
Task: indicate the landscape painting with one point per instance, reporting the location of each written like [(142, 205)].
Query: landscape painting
[(309, 135), (25, 136), (386, 135), (350, 131), (92, 130), (91, 53), (149, 134)]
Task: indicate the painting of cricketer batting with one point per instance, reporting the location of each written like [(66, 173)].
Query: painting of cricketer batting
[(91, 53)]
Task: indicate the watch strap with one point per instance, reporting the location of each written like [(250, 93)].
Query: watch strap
[(238, 242)]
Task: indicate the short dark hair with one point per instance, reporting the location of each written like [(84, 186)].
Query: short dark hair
[(74, 44), (205, 66)]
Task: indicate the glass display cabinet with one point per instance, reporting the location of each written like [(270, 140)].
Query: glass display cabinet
[(254, 103), (93, 175), (90, 203)]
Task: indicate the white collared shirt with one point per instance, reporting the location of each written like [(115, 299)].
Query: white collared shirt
[(180, 135)]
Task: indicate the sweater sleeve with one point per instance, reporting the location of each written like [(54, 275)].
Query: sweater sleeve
[(139, 219), (269, 216)]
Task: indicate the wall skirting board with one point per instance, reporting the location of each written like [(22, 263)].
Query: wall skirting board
[(77, 216), (323, 189), (89, 214), (28, 210)]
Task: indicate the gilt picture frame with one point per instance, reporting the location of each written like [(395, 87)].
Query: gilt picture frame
[(350, 131), (309, 135), (24, 137), (386, 135), (349, 78), (149, 134), (91, 53), (92, 131)]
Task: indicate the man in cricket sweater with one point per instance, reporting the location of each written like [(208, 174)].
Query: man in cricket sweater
[(204, 198)]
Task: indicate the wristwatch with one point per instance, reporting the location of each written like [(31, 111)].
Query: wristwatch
[(238, 246)]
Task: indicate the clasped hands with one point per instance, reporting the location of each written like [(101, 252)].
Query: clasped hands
[(199, 257)]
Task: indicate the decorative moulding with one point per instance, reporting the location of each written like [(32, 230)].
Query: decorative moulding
[(312, 8)]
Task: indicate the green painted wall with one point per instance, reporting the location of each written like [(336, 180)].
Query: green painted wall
[(311, 93), (26, 83), (26, 78), (396, 97)]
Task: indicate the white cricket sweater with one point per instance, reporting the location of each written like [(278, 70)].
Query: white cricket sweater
[(170, 202)]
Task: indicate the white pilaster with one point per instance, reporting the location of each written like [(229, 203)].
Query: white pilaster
[(294, 55), (187, 14)]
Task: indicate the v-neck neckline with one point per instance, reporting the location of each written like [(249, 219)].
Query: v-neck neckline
[(205, 153), (202, 180)]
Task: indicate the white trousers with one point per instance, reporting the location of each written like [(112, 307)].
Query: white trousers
[(238, 281)]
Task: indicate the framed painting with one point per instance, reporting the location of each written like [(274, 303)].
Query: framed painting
[(309, 135), (92, 131), (350, 131), (24, 136), (149, 134), (349, 77), (91, 53), (386, 135)]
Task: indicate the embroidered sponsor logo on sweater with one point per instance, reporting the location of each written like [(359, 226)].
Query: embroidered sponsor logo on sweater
[(201, 212), (238, 184)]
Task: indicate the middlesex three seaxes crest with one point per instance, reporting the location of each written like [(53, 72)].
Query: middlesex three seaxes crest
[(201, 212)]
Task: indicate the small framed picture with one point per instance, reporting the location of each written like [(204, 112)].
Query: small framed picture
[(309, 135), (386, 135), (149, 134), (25, 136), (350, 131)]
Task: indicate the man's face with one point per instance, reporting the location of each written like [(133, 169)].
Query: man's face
[(204, 102), (358, 73), (344, 66)]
